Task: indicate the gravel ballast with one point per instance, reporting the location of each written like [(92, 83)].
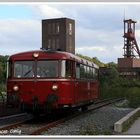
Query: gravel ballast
[(99, 122)]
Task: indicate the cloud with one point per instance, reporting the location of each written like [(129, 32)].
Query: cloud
[(47, 11), (19, 35), (91, 48), (85, 36), (99, 28), (104, 53)]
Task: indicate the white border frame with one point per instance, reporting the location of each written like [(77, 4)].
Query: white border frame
[(76, 2)]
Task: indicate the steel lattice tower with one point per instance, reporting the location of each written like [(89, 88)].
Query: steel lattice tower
[(131, 49)]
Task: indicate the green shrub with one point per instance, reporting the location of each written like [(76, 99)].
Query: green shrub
[(112, 85), (133, 96), (2, 87)]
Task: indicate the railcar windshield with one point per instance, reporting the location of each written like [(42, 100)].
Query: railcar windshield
[(39, 69), (47, 68), (24, 69)]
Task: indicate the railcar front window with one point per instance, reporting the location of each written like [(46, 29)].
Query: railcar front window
[(47, 68), (23, 69)]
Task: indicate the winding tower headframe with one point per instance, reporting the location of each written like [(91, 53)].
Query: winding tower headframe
[(131, 49)]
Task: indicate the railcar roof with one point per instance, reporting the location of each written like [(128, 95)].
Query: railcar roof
[(43, 54)]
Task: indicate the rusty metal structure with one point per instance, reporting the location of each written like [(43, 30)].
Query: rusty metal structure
[(130, 64), (131, 48)]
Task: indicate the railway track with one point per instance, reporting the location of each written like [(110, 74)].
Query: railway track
[(97, 105), (12, 121), (37, 128), (12, 116)]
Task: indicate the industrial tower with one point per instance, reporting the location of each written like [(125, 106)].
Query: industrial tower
[(131, 48), (130, 64), (58, 34)]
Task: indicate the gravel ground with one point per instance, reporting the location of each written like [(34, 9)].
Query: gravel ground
[(99, 122)]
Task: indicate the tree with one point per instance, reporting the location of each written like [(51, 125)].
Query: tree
[(3, 60), (94, 60)]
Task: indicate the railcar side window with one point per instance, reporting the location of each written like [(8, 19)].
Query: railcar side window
[(82, 71), (95, 73), (47, 68), (85, 71), (66, 68), (77, 70), (90, 73), (23, 69), (63, 68)]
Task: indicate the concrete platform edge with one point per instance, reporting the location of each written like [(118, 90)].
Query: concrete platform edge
[(123, 123)]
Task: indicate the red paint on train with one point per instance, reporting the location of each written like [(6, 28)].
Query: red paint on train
[(42, 80)]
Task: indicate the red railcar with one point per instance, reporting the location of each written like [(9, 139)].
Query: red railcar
[(47, 80)]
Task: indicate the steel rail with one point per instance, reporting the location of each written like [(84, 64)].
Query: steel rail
[(12, 125), (8, 127), (12, 116)]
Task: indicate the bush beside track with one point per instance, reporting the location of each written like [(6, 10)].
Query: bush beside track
[(112, 85)]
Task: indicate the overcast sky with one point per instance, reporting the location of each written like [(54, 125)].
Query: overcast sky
[(99, 27)]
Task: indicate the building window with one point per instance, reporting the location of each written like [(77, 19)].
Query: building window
[(49, 28), (53, 28), (57, 28), (70, 28), (49, 43)]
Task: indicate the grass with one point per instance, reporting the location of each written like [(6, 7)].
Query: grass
[(131, 120)]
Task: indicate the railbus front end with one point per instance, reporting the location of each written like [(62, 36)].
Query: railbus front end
[(44, 81)]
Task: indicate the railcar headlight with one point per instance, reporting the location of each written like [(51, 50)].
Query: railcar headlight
[(15, 88), (35, 55), (54, 87)]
